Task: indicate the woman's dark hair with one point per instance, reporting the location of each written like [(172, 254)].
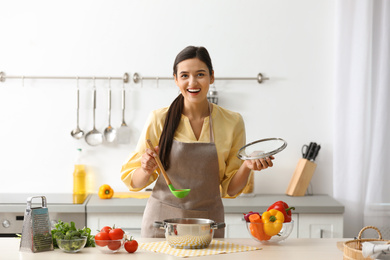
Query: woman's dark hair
[(176, 108)]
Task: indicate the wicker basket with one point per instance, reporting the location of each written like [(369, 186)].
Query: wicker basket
[(353, 248)]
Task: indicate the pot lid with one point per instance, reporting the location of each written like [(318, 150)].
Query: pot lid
[(262, 148)]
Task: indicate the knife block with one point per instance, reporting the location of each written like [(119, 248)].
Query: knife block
[(301, 178)]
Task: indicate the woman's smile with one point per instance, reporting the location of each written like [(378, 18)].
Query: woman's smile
[(193, 90)]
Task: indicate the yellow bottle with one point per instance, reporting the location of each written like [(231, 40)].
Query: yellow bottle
[(79, 175)]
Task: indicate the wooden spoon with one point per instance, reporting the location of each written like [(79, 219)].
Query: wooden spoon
[(180, 193)]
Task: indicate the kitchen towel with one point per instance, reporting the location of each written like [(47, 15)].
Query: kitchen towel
[(216, 247), (376, 249), (135, 195)]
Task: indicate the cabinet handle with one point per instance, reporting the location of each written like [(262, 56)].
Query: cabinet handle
[(321, 233)]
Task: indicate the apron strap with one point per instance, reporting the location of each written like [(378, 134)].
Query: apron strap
[(211, 125)]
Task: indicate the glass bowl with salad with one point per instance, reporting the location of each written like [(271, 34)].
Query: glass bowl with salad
[(71, 239), (73, 245)]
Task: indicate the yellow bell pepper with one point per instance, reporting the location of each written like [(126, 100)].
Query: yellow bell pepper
[(273, 222), (105, 192)]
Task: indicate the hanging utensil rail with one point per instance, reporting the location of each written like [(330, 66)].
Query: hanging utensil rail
[(260, 78), (125, 77), (136, 77)]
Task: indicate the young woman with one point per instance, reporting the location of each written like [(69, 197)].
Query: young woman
[(197, 143)]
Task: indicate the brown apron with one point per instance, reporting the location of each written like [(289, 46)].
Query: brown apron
[(192, 166)]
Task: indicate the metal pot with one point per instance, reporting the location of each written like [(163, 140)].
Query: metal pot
[(189, 233)]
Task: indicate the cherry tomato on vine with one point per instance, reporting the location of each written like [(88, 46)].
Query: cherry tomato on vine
[(131, 245), (102, 238), (106, 229), (116, 233), (114, 245)]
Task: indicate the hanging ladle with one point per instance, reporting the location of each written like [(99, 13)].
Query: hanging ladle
[(94, 137), (77, 133), (180, 193)]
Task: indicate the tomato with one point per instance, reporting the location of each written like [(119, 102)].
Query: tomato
[(116, 233), (106, 229), (102, 238), (114, 245), (131, 245)]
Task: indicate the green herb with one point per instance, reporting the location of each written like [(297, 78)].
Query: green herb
[(65, 230)]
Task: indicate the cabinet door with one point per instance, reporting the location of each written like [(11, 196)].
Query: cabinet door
[(320, 226), (130, 223), (296, 219), (235, 226)]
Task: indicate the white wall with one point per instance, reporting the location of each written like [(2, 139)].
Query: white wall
[(289, 41)]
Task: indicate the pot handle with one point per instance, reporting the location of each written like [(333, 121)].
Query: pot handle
[(218, 225), (159, 224)]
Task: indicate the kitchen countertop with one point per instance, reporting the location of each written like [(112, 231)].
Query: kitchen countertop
[(56, 202), (314, 204), (292, 249)]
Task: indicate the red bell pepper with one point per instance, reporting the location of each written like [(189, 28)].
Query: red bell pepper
[(284, 208)]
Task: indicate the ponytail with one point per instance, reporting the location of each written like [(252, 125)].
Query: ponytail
[(171, 123)]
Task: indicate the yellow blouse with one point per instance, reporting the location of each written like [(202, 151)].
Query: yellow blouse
[(229, 137)]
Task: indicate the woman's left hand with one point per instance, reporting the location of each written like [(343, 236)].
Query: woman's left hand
[(260, 164)]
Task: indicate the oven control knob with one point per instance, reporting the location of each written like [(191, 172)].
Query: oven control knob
[(6, 223)]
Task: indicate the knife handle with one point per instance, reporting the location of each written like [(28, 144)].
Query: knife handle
[(316, 150), (309, 152), (304, 150)]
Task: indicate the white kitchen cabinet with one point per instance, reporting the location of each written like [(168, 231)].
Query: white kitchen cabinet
[(129, 222), (320, 225), (235, 226), (314, 216), (305, 226)]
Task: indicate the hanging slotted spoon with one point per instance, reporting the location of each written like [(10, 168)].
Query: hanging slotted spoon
[(181, 193)]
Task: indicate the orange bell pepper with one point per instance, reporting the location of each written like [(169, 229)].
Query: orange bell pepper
[(105, 192), (257, 229)]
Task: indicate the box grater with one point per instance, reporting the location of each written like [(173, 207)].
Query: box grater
[(36, 233)]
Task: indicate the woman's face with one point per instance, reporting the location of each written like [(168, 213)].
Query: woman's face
[(193, 79)]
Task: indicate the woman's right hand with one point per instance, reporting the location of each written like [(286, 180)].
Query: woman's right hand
[(148, 163)]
